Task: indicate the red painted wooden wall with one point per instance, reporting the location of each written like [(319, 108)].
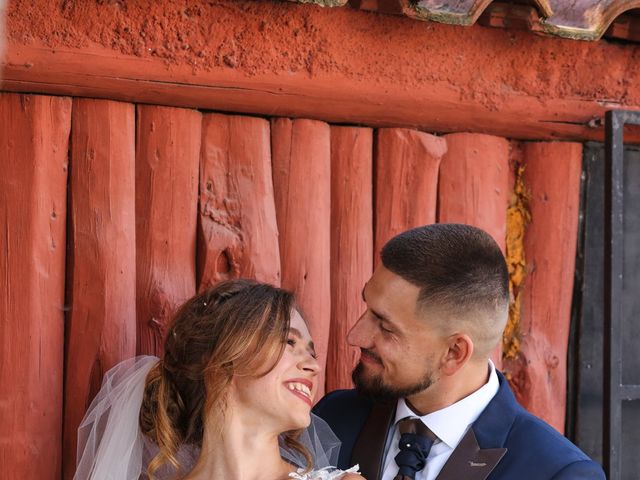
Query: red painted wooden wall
[(165, 201)]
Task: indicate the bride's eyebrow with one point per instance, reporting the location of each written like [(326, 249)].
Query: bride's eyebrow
[(294, 331)]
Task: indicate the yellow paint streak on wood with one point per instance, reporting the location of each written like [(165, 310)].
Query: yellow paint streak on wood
[(518, 217)]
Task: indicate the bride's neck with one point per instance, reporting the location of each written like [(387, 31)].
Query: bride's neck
[(241, 448)]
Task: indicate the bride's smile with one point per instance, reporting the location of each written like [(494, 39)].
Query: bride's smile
[(302, 388)]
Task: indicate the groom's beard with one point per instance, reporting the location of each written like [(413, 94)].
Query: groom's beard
[(374, 387)]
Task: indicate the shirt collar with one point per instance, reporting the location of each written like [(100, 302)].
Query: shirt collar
[(452, 422)]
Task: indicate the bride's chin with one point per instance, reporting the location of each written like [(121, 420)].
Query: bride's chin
[(307, 421), (300, 422)]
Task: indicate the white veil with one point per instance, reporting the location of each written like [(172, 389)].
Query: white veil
[(110, 444), (320, 441), (112, 447)]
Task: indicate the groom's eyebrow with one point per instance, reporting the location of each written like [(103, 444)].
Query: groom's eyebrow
[(380, 315)]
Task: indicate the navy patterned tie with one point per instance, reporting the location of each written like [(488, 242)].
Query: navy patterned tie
[(415, 442)]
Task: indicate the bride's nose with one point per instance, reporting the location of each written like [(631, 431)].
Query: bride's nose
[(309, 363)]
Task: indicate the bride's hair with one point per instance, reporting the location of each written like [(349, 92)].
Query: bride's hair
[(235, 328)]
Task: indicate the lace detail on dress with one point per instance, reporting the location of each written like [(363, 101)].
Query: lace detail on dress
[(327, 473)]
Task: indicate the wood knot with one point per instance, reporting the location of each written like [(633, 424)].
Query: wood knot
[(552, 361)]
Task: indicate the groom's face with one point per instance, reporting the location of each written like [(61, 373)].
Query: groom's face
[(400, 351)]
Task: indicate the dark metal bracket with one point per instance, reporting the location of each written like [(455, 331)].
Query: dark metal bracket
[(615, 392)]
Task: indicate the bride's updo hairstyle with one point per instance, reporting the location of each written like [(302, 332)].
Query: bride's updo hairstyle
[(238, 327)]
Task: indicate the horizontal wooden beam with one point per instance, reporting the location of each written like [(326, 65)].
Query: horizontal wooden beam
[(436, 107)]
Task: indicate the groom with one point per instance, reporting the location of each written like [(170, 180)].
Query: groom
[(429, 404)]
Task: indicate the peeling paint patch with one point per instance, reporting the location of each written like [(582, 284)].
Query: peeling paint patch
[(518, 217)]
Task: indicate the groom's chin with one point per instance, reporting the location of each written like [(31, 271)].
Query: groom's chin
[(371, 385), (358, 375), (364, 380)]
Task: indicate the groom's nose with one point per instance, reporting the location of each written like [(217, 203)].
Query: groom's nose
[(361, 334)]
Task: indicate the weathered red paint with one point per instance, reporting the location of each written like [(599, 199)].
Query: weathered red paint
[(351, 243), (167, 159), (406, 180), (539, 373), (101, 273), (474, 188), (34, 141), (302, 184), (237, 229)]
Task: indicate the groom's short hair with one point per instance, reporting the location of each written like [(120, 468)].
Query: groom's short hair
[(462, 275)]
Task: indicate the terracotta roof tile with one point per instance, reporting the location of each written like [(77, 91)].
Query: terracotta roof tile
[(460, 12), (584, 19), (577, 19)]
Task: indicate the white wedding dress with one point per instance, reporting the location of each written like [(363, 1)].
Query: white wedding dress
[(327, 473)]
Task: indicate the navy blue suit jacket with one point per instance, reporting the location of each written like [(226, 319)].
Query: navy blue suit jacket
[(505, 442)]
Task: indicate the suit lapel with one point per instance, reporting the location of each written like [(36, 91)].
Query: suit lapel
[(469, 461), (368, 451)]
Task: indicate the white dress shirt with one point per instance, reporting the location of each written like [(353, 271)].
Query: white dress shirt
[(450, 424)]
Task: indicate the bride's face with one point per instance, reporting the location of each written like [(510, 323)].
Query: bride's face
[(282, 399)]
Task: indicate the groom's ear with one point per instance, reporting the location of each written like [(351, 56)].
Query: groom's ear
[(459, 351)]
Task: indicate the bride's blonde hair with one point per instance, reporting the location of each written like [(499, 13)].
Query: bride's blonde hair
[(235, 328)]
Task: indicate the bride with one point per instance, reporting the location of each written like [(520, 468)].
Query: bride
[(230, 399)]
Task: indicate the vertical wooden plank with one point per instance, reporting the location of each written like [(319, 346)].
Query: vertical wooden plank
[(406, 181), (237, 228), (34, 141), (473, 188), (167, 159), (538, 373), (101, 274), (3, 6), (302, 186), (474, 183), (351, 243)]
